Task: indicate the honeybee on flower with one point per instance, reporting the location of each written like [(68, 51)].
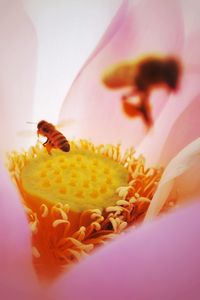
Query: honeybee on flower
[(55, 139)]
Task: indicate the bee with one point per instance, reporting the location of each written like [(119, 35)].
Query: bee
[(55, 139), (143, 76)]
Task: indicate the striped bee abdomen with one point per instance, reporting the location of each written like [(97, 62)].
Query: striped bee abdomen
[(65, 147), (59, 141)]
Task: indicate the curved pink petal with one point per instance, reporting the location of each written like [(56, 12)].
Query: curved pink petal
[(177, 124), (113, 28), (157, 261), (163, 32), (18, 63), (185, 129), (17, 277), (191, 52), (96, 110)]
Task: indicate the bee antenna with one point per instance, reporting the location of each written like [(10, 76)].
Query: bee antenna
[(30, 122)]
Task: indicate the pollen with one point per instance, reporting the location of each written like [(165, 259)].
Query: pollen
[(79, 200)]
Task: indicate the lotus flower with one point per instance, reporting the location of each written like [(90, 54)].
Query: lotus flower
[(159, 259)]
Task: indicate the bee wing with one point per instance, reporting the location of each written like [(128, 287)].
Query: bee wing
[(31, 134), (65, 123)]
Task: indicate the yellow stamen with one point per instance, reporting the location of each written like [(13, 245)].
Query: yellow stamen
[(76, 201)]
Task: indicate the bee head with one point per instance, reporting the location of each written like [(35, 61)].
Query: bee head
[(172, 69), (44, 127)]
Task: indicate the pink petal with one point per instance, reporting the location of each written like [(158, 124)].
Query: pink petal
[(160, 33), (159, 260), (191, 52), (18, 63), (135, 30), (113, 28), (17, 279), (186, 129)]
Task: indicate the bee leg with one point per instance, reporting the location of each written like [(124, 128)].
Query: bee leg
[(145, 109), (48, 146), (131, 110), (131, 104), (141, 109)]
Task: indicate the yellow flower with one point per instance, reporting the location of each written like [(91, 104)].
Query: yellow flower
[(78, 200)]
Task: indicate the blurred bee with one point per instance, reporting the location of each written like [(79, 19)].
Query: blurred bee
[(55, 139), (143, 76)]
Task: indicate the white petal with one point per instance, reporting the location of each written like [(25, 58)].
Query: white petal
[(181, 176)]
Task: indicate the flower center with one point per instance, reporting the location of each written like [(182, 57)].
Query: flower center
[(80, 178), (78, 200)]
